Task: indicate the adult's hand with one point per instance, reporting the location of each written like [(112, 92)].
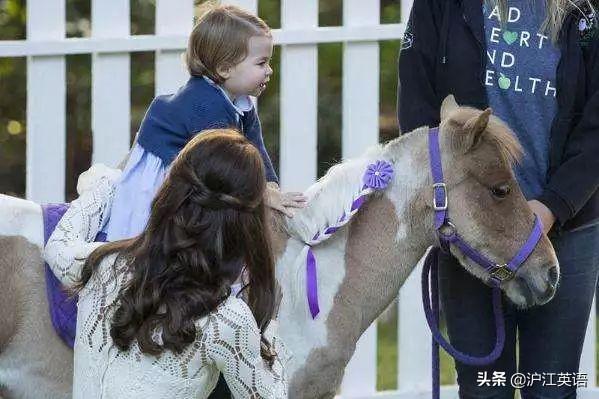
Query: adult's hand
[(544, 213)]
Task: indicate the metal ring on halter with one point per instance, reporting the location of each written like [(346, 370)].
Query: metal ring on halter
[(447, 230), (502, 273), (445, 234)]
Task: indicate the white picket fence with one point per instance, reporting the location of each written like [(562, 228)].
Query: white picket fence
[(110, 45)]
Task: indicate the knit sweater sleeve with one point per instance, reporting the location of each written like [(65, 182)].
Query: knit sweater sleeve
[(73, 239)]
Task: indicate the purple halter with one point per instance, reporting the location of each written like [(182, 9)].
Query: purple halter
[(448, 235)]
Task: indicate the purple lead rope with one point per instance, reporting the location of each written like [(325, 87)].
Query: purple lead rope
[(448, 235), (430, 269), (430, 301)]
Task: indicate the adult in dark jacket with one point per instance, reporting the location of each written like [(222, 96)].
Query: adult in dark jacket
[(536, 63)]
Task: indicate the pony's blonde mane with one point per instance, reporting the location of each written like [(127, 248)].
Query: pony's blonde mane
[(500, 136), (332, 195), (497, 133)]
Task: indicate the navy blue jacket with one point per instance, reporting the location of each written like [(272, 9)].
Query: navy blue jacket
[(173, 119), (443, 53)]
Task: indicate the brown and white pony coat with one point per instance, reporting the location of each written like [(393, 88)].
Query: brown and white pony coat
[(360, 269)]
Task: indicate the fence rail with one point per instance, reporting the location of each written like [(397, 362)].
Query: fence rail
[(131, 44), (111, 44)]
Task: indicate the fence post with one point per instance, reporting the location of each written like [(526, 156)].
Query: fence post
[(360, 81), (360, 131), (406, 7), (111, 87), (299, 102), (414, 341), (173, 17), (359, 379), (46, 105)]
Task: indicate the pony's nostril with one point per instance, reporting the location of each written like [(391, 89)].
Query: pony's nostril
[(546, 296), (553, 276)]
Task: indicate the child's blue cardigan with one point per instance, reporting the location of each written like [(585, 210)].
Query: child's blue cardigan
[(173, 119)]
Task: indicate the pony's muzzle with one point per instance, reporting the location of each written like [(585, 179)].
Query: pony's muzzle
[(540, 290)]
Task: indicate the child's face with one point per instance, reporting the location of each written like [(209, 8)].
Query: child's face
[(250, 76)]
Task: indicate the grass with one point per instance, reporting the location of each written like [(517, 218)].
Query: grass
[(388, 352), (387, 356)]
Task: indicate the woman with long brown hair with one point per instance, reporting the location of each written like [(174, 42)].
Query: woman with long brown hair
[(156, 318), (536, 63)]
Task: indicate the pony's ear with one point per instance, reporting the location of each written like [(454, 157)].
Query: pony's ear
[(448, 106), (474, 129)]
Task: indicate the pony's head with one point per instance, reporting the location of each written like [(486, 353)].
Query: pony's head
[(486, 204)]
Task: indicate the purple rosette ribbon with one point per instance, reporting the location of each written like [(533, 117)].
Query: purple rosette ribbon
[(378, 175)]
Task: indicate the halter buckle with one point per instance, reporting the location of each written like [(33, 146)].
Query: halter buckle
[(437, 206), (502, 272)]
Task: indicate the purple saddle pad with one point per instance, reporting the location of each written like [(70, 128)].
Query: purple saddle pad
[(63, 307)]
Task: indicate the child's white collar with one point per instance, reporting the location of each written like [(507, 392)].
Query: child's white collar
[(241, 104)]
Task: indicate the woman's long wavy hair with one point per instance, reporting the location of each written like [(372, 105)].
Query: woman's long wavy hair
[(207, 221), (557, 11)]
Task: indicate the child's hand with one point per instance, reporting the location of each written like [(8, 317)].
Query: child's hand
[(283, 202)]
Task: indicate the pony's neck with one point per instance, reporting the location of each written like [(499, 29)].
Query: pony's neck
[(400, 221), (411, 193), (361, 269)]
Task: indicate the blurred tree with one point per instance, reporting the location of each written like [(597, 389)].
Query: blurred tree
[(12, 101)]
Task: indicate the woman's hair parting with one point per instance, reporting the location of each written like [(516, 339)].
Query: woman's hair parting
[(220, 39), (207, 223)]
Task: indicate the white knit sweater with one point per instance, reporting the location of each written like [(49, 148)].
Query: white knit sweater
[(228, 339)]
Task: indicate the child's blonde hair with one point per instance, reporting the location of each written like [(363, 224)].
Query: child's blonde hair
[(220, 39)]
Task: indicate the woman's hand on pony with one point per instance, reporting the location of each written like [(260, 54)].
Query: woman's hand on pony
[(283, 202), (544, 213)]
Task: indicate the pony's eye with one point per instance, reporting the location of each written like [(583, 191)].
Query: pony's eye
[(501, 191)]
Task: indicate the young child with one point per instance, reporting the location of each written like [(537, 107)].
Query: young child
[(155, 314), (228, 57)]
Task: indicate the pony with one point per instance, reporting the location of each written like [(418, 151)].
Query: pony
[(360, 268)]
